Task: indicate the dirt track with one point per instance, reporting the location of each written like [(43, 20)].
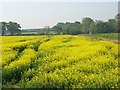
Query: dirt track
[(115, 41)]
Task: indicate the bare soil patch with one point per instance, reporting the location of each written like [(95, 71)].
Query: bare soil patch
[(115, 41)]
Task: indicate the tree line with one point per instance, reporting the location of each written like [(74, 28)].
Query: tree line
[(86, 26)]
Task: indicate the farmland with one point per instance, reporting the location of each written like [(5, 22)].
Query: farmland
[(61, 61)]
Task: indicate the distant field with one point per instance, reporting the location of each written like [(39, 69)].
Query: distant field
[(108, 36), (29, 33), (58, 62), (38, 33)]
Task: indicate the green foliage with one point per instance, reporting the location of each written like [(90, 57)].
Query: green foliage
[(87, 26), (3, 27), (68, 28), (86, 22), (92, 28), (12, 27)]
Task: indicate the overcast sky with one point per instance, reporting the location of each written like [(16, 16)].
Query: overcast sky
[(40, 14)]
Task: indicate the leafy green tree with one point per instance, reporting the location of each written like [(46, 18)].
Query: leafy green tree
[(111, 26), (99, 26), (66, 28), (77, 26), (57, 29), (92, 28), (13, 28), (86, 25), (2, 28), (106, 27), (117, 18), (74, 28)]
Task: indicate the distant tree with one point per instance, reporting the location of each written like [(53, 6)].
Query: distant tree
[(57, 29), (78, 27), (13, 28), (117, 18), (111, 26), (105, 27), (66, 28), (2, 28), (61, 26), (74, 28), (86, 25), (92, 28), (71, 29), (77, 22), (99, 26)]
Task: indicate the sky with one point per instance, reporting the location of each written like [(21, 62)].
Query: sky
[(40, 14)]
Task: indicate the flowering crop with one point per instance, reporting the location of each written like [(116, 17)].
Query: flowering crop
[(62, 61)]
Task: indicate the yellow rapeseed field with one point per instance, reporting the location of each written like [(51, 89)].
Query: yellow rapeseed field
[(61, 61)]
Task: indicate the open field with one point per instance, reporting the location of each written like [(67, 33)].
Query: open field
[(59, 61), (113, 37)]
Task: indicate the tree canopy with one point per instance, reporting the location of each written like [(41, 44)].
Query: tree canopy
[(12, 27), (87, 26)]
